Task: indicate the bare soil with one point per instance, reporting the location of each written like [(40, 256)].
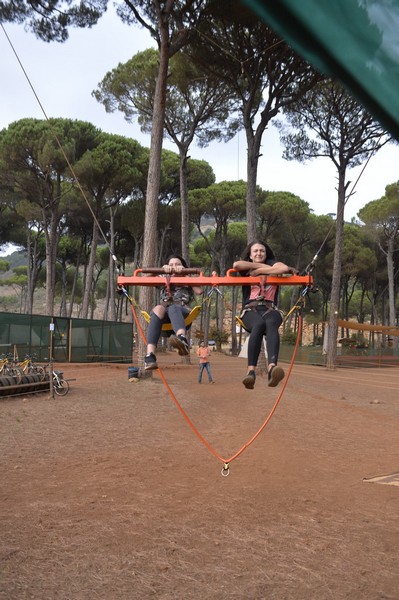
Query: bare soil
[(108, 493)]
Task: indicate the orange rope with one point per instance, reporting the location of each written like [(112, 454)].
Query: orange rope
[(225, 461), (261, 428)]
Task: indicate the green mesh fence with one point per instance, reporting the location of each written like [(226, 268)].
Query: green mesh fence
[(68, 340)]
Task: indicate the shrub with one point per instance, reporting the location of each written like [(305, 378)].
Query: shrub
[(289, 337)]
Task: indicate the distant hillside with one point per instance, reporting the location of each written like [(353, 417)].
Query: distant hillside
[(15, 259), (10, 296)]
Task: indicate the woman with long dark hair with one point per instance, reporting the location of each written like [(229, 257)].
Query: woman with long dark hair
[(259, 310), (173, 308)]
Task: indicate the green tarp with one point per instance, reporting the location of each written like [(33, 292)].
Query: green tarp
[(355, 41), (73, 340)]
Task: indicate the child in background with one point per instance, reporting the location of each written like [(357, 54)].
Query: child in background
[(203, 353)]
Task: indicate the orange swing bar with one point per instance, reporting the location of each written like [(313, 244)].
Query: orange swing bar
[(214, 280)]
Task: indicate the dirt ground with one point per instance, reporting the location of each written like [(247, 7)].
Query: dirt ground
[(108, 493)]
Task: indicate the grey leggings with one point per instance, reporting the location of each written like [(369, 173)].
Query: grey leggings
[(175, 314), (261, 323)]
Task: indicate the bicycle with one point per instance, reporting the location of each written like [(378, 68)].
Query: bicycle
[(9, 369), (30, 368), (60, 385)]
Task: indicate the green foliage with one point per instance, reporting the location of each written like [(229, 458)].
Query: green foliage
[(286, 222), (101, 287), (8, 303), (21, 271), (224, 202), (110, 166), (50, 22), (199, 174), (382, 216), (199, 255), (328, 121), (356, 341), (130, 87), (357, 258), (289, 337), (197, 105), (237, 237), (19, 279), (4, 265), (220, 337)]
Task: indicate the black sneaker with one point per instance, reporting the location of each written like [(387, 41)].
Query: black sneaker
[(275, 375), (150, 362), (249, 380), (180, 342)]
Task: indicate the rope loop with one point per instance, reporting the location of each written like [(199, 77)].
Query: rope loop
[(226, 462)]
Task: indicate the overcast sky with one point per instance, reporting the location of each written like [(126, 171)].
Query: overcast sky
[(64, 75)]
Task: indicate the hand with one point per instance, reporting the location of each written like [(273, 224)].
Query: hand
[(176, 269)]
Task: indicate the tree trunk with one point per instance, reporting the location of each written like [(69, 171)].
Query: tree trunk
[(253, 144), (51, 236), (391, 286), (33, 269), (63, 303), (154, 169), (185, 229), (336, 278), (88, 283), (51, 253), (29, 290), (110, 306), (75, 280)]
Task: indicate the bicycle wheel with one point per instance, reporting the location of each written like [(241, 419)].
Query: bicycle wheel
[(61, 387), (40, 371), (15, 372)]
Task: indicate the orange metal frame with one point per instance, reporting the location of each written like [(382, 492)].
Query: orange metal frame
[(214, 280)]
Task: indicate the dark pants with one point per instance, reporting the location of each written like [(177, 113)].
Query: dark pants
[(263, 323), (175, 314)]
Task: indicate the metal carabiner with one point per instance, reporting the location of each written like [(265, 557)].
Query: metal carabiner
[(225, 470)]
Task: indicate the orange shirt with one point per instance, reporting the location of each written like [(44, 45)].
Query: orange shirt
[(203, 352)]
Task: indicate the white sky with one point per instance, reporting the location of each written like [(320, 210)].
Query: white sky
[(64, 75)]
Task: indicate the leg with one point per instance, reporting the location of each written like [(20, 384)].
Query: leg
[(201, 369), (177, 314), (254, 322), (256, 325), (154, 329), (208, 370), (273, 320)]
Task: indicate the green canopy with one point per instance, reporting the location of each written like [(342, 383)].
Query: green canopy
[(355, 41)]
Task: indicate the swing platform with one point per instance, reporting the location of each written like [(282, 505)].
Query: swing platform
[(193, 314), (152, 276)]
